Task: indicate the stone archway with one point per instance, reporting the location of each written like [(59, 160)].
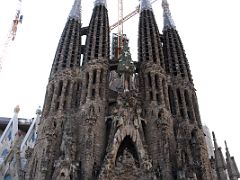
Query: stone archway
[(126, 158)]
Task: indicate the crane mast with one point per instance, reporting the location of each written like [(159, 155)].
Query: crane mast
[(12, 33), (120, 28), (127, 17)]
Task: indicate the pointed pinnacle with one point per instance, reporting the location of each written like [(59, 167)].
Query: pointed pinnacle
[(76, 10), (168, 21), (227, 150), (100, 2), (214, 137), (226, 144), (215, 140), (164, 3), (145, 5)]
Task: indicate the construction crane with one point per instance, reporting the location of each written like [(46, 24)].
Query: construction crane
[(12, 32), (120, 28), (122, 19), (119, 37)]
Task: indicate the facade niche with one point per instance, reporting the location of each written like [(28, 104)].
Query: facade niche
[(93, 93), (157, 81), (87, 79), (127, 145), (94, 76), (180, 103), (171, 100), (149, 80), (189, 106), (101, 76), (78, 94), (60, 88)]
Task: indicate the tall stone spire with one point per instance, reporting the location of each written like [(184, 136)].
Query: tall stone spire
[(98, 32), (55, 138), (175, 57), (145, 5), (168, 20), (93, 94), (69, 47), (76, 10), (153, 88)]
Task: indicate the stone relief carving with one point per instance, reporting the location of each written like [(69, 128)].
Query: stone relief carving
[(126, 121)]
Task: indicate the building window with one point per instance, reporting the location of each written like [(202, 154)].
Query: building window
[(7, 177), (4, 153)]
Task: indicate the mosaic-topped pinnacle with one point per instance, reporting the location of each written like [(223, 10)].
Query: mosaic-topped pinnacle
[(100, 2), (168, 20), (17, 109), (145, 5), (76, 10)]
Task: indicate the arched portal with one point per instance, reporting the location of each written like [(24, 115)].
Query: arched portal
[(127, 151)]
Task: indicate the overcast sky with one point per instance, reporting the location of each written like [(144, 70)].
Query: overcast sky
[(210, 31)]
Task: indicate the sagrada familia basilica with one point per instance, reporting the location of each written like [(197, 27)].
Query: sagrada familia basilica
[(107, 118)]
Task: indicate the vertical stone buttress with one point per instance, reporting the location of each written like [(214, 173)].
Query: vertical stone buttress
[(153, 86), (54, 153), (192, 157), (93, 102)]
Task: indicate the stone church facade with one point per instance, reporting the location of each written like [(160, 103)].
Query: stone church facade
[(115, 119)]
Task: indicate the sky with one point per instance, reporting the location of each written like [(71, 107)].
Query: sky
[(209, 30)]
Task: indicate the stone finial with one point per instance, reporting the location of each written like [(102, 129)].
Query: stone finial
[(76, 10), (225, 142), (214, 140), (39, 111), (100, 2), (168, 20), (17, 109), (145, 5)]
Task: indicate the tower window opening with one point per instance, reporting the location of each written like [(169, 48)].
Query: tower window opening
[(100, 93), (164, 92), (101, 76), (96, 53), (94, 76), (179, 97), (65, 105), (87, 79), (60, 86), (151, 95), (171, 101), (67, 88), (158, 99), (78, 94), (74, 93), (157, 82), (159, 115), (57, 105), (149, 80), (93, 93), (182, 112), (144, 128)]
